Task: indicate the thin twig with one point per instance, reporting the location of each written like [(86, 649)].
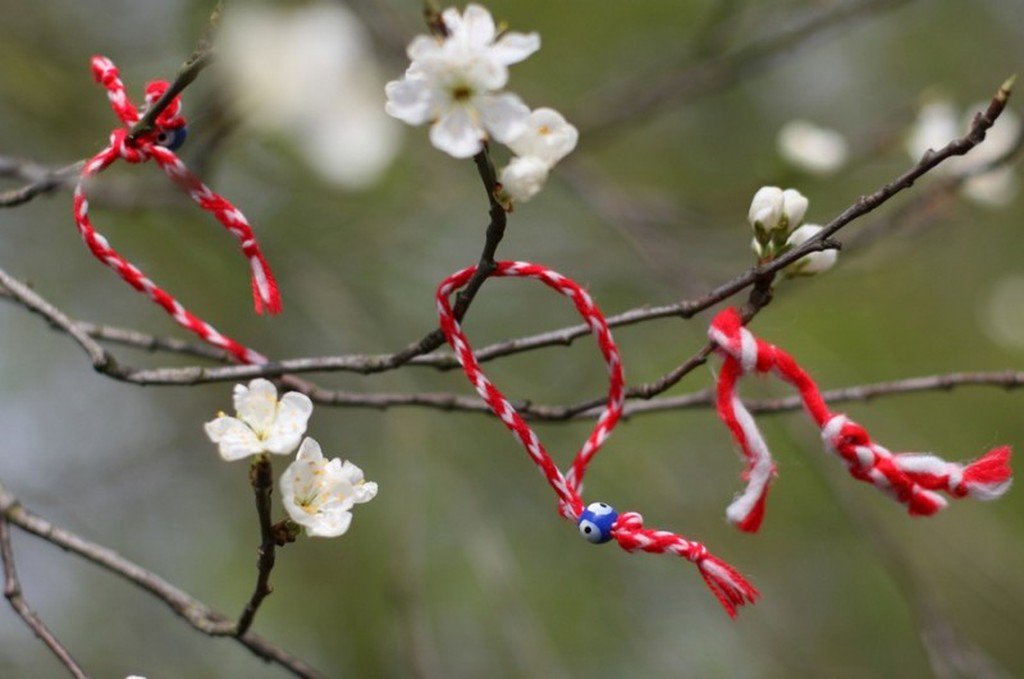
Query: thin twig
[(40, 179), (262, 478), (13, 593), (196, 613)]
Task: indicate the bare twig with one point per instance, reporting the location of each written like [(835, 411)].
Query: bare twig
[(12, 591), (261, 476), (196, 613), (40, 179)]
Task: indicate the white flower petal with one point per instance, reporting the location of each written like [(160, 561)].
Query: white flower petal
[(364, 492), (423, 46), (290, 424), (234, 438), (456, 134), (410, 100), (512, 48), (329, 524), (256, 404), (477, 27), (504, 116), (310, 450)]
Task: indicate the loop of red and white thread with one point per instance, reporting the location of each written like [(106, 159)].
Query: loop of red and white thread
[(911, 478), (727, 584), (265, 291)]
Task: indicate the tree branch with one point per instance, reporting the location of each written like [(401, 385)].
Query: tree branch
[(12, 591), (197, 614)]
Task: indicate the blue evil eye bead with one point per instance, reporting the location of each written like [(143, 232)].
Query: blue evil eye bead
[(596, 521), (172, 139)]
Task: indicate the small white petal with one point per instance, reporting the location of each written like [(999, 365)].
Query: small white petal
[(290, 424), (256, 404), (515, 47), (524, 177), (235, 439), (504, 116), (410, 100), (936, 126), (456, 134)]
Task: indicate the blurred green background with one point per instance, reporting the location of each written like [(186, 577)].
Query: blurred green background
[(461, 567)]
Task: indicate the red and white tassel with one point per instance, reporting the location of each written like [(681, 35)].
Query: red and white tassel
[(911, 478)]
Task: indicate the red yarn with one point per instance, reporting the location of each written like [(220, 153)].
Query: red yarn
[(265, 291), (911, 478), (728, 586)]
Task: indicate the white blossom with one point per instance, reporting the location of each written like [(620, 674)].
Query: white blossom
[(319, 494), (548, 137), (263, 424), (454, 83), (308, 73), (524, 177), (774, 209), (814, 149), (815, 262)]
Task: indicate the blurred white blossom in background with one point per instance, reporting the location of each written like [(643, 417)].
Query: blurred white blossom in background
[(1003, 316), (939, 122), (307, 73), (814, 149)]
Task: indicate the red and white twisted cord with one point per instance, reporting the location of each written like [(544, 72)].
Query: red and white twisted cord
[(265, 291), (911, 478), (728, 586)]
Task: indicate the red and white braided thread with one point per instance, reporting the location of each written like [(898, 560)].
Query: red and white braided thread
[(728, 586), (910, 478), (265, 291)]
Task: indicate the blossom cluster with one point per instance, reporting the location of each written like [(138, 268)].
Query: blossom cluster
[(776, 216), (456, 83), (317, 493)]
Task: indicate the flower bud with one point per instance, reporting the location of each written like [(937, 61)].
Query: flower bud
[(794, 207), (766, 208), (524, 177), (815, 262)]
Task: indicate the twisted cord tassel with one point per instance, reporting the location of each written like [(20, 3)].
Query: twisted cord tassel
[(596, 522), (730, 588), (913, 479), (170, 122)]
